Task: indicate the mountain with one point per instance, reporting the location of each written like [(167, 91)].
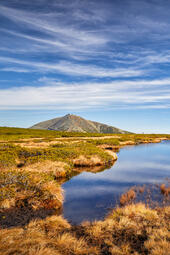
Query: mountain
[(73, 123)]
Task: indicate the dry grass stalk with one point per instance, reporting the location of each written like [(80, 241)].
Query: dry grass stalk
[(82, 161), (133, 229), (128, 197), (165, 190), (59, 169)]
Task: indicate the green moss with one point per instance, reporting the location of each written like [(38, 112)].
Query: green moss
[(12, 134), (11, 155), (66, 151), (108, 141), (8, 155)]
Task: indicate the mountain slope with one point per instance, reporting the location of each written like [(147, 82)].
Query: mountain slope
[(73, 123)]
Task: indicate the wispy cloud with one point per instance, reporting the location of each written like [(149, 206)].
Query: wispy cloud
[(14, 69), (70, 68), (118, 48), (77, 33), (51, 25), (118, 95)]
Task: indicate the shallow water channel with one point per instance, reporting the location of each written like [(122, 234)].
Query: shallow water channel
[(89, 196)]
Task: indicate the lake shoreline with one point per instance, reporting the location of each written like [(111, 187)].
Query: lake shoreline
[(31, 194), (89, 181)]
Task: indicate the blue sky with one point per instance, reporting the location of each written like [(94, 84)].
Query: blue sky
[(106, 60)]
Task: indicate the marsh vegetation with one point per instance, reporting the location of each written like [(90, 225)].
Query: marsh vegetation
[(33, 165)]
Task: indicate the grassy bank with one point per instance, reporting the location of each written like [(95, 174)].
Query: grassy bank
[(11, 134), (134, 229), (15, 156)]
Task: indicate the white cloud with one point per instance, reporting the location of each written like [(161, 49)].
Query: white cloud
[(57, 95), (81, 41), (70, 68), (14, 69), (90, 31), (50, 25)]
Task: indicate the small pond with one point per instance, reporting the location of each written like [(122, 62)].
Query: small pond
[(89, 196)]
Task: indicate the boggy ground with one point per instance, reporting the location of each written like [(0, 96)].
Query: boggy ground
[(33, 165)]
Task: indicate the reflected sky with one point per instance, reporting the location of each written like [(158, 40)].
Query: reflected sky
[(89, 196)]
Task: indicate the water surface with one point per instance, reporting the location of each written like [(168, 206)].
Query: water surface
[(88, 196)]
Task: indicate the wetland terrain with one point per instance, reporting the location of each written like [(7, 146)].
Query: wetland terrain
[(68, 193)]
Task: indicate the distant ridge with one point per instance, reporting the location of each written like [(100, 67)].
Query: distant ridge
[(73, 123)]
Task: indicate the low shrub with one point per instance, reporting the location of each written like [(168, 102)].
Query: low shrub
[(20, 188)]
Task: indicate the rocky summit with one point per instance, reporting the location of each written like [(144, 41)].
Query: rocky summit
[(73, 123)]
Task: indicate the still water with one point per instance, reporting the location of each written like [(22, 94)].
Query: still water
[(88, 196)]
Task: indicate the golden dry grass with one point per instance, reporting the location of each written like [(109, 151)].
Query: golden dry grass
[(27, 195), (83, 161), (113, 154), (127, 197), (28, 189), (57, 168), (134, 229)]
